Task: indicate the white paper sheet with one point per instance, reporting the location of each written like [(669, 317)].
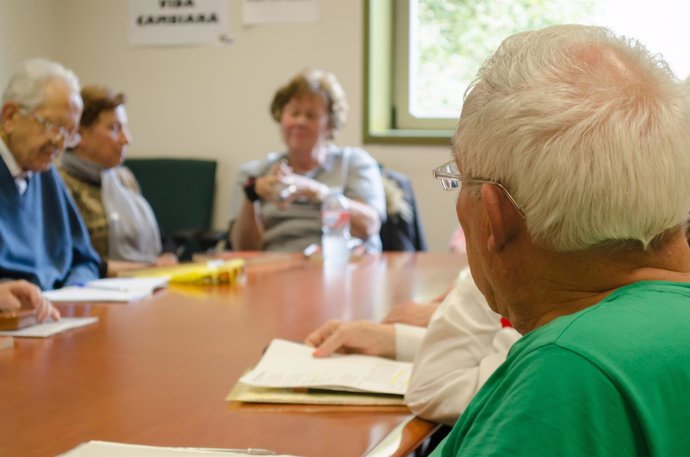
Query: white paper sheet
[(288, 364), (148, 283), (108, 449), (50, 328), (111, 289)]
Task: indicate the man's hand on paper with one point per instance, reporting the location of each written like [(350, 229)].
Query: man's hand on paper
[(417, 314), (360, 337), (22, 294)]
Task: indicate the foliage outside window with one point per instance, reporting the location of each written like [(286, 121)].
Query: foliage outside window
[(450, 39), (422, 54)]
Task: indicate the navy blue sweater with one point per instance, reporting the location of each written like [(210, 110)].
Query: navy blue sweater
[(42, 236)]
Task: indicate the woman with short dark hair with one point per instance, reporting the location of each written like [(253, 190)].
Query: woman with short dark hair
[(120, 221)]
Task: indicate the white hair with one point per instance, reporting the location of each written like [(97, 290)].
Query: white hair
[(588, 131), (27, 85)]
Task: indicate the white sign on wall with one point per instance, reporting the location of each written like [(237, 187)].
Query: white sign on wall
[(275, 11), (177, 22)]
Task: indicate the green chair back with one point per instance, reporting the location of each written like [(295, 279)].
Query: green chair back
[(181, 193)]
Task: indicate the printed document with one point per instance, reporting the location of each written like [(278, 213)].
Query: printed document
[(111, 289), (289, 364)]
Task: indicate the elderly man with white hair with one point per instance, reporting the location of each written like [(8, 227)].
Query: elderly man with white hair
[(42, 237), (573, 150)]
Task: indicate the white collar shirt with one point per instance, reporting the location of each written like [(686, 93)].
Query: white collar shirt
[(21, 177)]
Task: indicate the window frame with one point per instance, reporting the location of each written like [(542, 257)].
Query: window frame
[(381, 65), (404, 51)]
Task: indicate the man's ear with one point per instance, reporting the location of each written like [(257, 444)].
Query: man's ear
[(502, 217), (9, 111)]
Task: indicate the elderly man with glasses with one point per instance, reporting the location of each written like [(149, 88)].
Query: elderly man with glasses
[(42, 238), (573, 150)]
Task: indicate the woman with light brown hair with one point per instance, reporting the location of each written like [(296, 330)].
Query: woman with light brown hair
[(277, 201)]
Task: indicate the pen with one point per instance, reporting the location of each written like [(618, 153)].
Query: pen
[(102, 287)]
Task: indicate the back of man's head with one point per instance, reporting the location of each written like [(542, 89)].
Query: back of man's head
[(27, 85), (588, 131)]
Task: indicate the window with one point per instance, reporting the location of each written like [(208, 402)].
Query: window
[(422, 54)]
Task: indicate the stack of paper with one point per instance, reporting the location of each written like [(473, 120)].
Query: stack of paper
[(291, 365), (111, 289), (261, 397), (109, 449), (51, 327)]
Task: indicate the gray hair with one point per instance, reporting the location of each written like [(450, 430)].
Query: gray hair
[(587, 130), (27, 85)]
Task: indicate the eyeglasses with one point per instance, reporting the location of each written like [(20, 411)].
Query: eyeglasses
[(69, 139), (451, 179)]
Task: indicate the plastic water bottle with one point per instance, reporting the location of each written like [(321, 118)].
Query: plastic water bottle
[(335, 228)]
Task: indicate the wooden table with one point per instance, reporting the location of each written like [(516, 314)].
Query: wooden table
[(157, 371)]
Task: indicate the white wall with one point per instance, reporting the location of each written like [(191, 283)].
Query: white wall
[(27, 29), (212, 102)]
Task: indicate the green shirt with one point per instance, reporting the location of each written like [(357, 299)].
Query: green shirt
[(610, 380)]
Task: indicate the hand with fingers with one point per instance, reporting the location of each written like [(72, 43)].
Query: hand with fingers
[(15, 295), (359, 337), (303, 187), (275, 185)]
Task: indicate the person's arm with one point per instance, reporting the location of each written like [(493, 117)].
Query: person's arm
[(413, 313), (15, 295), (364, 220), (408, 339), (86, 263), (464, 344), (166, 259), (246, 232), (364, 191), (418, 314)]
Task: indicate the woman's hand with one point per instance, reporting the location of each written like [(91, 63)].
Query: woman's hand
[(281, 186), (306, 188), (271, 186)]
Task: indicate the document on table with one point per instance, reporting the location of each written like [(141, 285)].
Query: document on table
[(111, 289), (288, 364), (50, 328), (109, 449), (251, 394)]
